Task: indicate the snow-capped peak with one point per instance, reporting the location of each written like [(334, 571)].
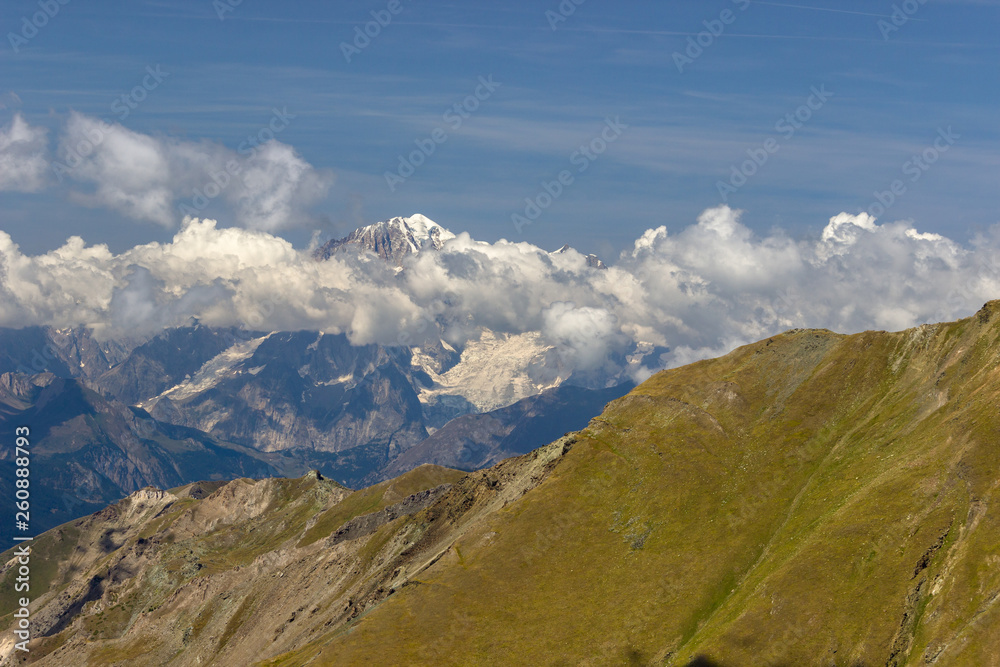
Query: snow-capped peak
[(392, 239), (423, 229)]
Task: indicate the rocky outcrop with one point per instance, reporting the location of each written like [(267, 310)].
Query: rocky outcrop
[(367, 524)]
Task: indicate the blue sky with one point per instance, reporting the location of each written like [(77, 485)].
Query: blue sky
[(891, 93)]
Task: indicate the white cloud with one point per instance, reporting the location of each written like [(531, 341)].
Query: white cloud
[(845, 229), (277, 185), (159, 179), (23, 151), (586, 337), (701, 292)]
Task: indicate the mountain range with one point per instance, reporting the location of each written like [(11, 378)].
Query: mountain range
[(812, 498), (286, 401)]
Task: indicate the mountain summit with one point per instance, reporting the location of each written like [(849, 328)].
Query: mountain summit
[(392, 240)]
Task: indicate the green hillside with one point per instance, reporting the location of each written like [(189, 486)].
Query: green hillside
[(811, 499), (808, 499)]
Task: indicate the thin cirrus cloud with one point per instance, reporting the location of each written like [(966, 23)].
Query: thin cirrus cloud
[(267, 186), (698, 293)]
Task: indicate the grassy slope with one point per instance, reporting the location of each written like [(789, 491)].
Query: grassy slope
[(201, 541), (813, 498)]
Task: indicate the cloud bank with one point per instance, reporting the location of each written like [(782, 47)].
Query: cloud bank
[(700, 292)]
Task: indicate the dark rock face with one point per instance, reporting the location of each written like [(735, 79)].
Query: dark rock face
[(66, 353), (367, 524), (309, 391), (165, 360), (88, 451)]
